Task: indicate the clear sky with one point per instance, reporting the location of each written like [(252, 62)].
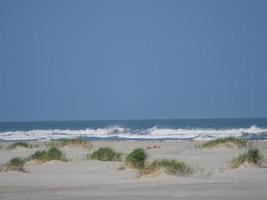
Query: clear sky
[(68, 60)]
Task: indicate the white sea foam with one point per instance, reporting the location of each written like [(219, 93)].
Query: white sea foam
[(123, 133)]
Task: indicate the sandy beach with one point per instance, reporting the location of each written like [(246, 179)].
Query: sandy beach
[(89, 179), (133, 100)]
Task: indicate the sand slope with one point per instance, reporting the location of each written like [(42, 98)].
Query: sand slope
[(82, 179)]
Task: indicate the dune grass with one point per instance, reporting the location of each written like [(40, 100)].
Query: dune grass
[(136, 159), (252, 157), (227, 141), (170, 167), (70, 142), (15, 164), (105, 154), (18, 144), (53, 153), (22, 144)]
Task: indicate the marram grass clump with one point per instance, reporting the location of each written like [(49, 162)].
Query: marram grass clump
[(18, 144), (252, 157), (105, 154), (15, 164), (136, 159), (229, 141), (170, 167), (75, 142), (53, 153), (70, 142), (22, 144)]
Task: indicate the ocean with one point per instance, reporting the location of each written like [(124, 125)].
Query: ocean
[(173, 129)]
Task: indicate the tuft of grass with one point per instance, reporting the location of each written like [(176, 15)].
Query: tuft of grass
[(105, 154), (70, 142), (39, 155), (22, 144), (15, 164), (18, 144), (34, 145), (170, 167), (53, 153), (136, 159), (252, 156), (228, 140)]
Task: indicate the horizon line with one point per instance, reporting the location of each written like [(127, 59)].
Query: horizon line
[(144, 119)]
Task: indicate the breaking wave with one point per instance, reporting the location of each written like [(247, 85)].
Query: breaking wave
[(251, 133)]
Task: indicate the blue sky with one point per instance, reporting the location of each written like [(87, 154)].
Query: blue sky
[(71, 60)]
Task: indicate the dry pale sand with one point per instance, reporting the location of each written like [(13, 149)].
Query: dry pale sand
[(83, 179)]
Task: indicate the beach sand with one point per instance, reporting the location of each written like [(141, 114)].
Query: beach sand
[(88, 179)]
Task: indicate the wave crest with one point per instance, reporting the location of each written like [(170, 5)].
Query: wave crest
[(124, 133)]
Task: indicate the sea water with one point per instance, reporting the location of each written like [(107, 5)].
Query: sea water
[(173, 129)]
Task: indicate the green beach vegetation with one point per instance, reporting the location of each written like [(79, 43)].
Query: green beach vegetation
[(229, 141), (105, 154), (170, 167), (53, 153), (136, 159), (252, 157), (70, 142), (18, 144), (15, 164), (22, 144)]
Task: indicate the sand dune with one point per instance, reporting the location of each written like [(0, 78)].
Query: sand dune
[(87, 179)]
